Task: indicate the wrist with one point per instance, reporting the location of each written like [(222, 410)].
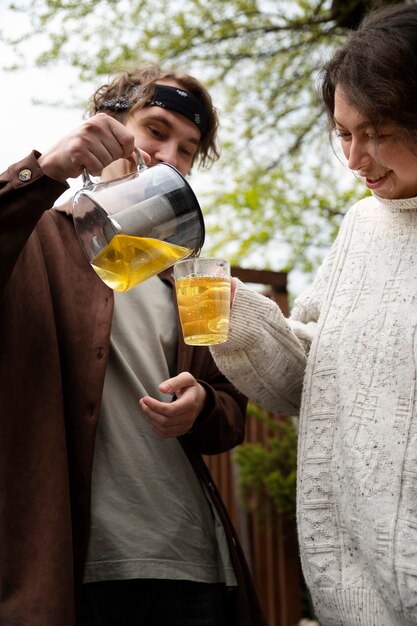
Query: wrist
[(201, 397), (50, 168)]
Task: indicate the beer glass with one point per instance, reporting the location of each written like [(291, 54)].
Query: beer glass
[(203, 295)]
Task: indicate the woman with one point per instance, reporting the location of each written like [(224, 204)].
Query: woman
[(346, 358)]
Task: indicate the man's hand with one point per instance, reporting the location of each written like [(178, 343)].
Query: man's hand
[(171, 419), (99, 141)]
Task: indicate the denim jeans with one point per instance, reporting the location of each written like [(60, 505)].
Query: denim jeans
[(152, 603)]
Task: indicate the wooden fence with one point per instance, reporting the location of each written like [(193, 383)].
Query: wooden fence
[(270, 547)]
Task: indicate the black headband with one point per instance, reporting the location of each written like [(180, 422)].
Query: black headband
[(167, 97)]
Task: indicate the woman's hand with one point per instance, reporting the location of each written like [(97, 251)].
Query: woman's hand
[(171, 419), (233, 285)]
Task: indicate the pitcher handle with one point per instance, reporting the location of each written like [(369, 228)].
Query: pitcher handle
[(140, 165)]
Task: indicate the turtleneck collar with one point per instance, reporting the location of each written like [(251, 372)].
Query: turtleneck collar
[(402, 204)]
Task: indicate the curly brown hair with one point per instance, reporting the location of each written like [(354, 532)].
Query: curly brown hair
[(138, 87)]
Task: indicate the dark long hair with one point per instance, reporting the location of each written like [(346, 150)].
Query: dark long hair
[(377, 69)]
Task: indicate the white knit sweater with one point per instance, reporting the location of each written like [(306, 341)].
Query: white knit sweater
[(349, 351)]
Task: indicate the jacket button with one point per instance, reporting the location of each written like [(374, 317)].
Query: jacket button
[(25, 175)]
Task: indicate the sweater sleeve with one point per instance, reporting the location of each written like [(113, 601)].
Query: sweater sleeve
[(266, 354)]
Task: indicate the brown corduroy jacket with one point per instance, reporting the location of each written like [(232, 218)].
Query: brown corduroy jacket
[(55, 320)]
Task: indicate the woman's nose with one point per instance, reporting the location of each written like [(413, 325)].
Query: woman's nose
[(358, 156)]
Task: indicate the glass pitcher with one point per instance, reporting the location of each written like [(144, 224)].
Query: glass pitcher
[(134, 227)]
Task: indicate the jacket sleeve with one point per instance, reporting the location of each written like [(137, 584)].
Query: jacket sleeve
[(266, 354), (25, 193), (221, 424)]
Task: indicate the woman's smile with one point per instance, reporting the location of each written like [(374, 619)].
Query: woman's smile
[(379, 153)]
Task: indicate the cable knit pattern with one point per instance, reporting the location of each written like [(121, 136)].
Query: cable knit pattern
[(351, 338), (256, 320)]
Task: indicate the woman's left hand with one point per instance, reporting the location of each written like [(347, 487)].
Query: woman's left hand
[(171, 419)]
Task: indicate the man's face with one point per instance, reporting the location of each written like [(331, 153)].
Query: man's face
[(166, 136)]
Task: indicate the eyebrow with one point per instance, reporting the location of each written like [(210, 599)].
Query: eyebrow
[(360, 126), (162, 120)]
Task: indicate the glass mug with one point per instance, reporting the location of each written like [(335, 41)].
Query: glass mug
[(203, 295), (134, 227)]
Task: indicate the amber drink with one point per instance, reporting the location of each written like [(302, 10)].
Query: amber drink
[(203, 295), (127, 260)]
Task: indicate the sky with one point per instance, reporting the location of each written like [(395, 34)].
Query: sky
[(25, 125)]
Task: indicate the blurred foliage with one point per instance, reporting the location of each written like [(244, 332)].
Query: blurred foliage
[(278, 194), (267, 471)]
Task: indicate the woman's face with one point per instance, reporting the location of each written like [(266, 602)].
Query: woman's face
[(383, 158)]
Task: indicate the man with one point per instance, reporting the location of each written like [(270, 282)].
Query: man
[(105, 411)]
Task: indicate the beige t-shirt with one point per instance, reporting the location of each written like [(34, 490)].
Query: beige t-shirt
[(150, 516)]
